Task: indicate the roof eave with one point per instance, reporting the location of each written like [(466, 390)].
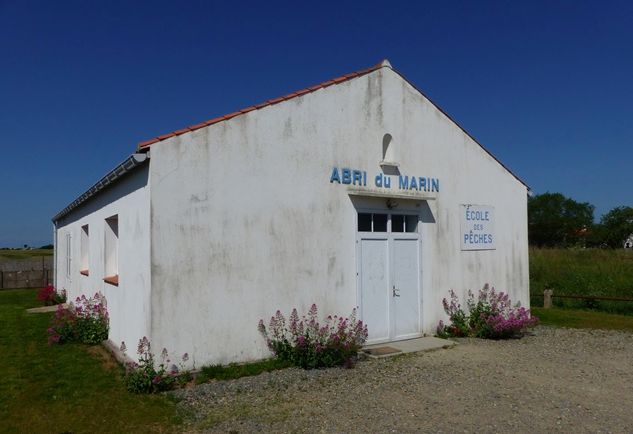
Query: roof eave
[(113, 176), (335, 81), (144, 146)]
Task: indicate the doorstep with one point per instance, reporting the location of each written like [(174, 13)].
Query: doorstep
[(378, 351)]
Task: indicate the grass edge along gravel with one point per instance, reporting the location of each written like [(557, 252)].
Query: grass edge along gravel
[(583, 319), (78, 388), (66, 388), (234, 371)]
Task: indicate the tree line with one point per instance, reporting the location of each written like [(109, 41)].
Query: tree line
[(558, 221)]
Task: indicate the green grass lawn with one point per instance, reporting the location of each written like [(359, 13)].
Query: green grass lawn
[(24, 254), (594, 272), (576, 318), (65, 388)]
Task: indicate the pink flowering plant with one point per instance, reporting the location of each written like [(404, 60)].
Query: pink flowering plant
[(490, 316), (86, 321), (50, 296), (306, 343), (148, 376)]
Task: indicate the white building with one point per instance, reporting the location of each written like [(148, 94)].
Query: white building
[(355, 192)]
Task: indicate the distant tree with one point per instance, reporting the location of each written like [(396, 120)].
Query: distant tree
[(596, 236), (617, 226), (47, 247), (558, 221)]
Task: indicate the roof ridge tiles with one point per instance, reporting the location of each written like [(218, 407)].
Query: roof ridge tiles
[(146, 144)]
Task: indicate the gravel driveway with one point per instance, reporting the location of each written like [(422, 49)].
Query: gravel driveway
[(558, 380)]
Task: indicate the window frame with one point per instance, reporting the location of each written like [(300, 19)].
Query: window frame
[(111, 250), (389, 214), (85, 250)]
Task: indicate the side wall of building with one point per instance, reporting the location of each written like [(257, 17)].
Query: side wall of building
[(245, 220), (128, 303)]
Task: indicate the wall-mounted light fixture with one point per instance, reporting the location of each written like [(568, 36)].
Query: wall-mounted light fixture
[(391, 204)]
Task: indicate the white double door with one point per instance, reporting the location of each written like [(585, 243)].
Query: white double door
[(389, 280)]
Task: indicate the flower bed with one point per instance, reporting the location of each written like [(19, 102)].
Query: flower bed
[(50, 296), (306, 343), (86, 321), (148, 377), (491, 316)]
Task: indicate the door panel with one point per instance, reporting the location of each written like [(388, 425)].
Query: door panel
[(406, 306), (374, 272)]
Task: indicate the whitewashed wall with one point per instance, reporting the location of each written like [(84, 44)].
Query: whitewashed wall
[(245, 220), (128, 303)]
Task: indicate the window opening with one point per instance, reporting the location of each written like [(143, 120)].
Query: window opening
[(85, 259), (112, 250), (397, 223), (68, 254), (377, 222), (364, 222), (380, 222), (411, 223)]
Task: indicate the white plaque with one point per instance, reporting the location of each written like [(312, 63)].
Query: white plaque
[(477, 227)]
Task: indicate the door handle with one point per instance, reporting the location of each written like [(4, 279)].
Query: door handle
[(395, 293)]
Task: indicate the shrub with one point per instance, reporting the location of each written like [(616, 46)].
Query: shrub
[(306, 343), (86, 321), (145, 377), (49, 296), (491, 316), (63, 327)]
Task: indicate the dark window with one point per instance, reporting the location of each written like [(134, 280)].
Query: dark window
[(397, 223), (380, 222), (364, 222), (412, 223)]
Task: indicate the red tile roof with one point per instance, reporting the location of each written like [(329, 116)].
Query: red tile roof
[(146, 144)]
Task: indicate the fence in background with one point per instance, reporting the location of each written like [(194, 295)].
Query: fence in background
[(548, 295), (26, 273)]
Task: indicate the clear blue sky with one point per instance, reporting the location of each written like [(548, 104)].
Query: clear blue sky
[(546, 86)]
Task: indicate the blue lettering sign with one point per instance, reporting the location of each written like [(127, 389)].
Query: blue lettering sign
[(403, 182), (357, 176), (422, 184), (347, 176), (477, 224), (413, 185), (334, 176)]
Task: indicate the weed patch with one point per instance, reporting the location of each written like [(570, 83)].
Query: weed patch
[(234, 370)]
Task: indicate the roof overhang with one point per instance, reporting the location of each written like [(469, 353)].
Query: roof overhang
[(122, 169), (366, 192)]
